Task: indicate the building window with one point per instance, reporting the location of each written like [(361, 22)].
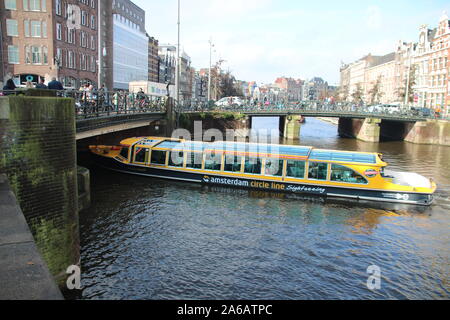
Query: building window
[(92, 42), (71, 59), (93, 64), (12, 28), (83, 18), (58, 7), (13, 54), (93, 22), (36, 55), (35, 5), (71, 36), (83, 39), (44, 5), (36, 29), (27, 55), (10, 5), (25, 5), (58, 31)]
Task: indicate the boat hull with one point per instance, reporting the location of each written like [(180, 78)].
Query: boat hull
[(272, 186)]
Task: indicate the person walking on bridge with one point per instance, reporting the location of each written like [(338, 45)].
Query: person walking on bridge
[(55, 84), (41, 84), (9, 86)]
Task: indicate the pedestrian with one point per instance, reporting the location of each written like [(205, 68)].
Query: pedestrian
[(9, 86), (41, 84), (55, 85), (116, 101), (29, 85)]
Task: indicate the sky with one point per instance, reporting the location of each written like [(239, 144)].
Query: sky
[(261, 40)]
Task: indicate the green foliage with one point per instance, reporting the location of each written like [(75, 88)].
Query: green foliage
[(53, 243)]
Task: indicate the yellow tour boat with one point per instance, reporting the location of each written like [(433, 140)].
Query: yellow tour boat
[(268, 167)]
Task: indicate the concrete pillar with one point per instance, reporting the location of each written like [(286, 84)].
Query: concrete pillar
[(362, 129), (38, 155), (292, 127), (429, 132), (370, 130)]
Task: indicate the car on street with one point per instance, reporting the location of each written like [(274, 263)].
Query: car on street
[(230, 101), (422, 112)]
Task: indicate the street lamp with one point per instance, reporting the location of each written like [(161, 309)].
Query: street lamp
[(211, 45), (177, 81)]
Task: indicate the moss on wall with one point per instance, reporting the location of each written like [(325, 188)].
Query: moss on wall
[(39, 158)]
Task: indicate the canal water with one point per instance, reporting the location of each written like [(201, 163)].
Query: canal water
[(146, 238)]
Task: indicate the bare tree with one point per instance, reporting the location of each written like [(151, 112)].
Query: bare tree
[(227, 87), (401, 91), (375, 92), (342, 93), (357, 95)]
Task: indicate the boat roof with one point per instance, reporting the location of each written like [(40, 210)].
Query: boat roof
[(254, 149)]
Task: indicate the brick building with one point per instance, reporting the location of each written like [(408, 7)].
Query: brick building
[(421, 69), (49, 38), (153, 60), (293, 88)]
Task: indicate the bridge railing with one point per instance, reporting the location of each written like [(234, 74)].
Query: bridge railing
[(98, 103), (106, 103), (316, 107)]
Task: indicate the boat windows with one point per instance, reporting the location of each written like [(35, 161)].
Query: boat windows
[(233, 163), (159, 157), (176, 159), (274, 167), (213, 161), (252, 165), (318, 171), (343, 174), (140, 155), (295, 169), (194, 160), (124, 152)]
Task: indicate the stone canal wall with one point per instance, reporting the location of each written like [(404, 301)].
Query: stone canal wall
[(38, 155), (23, 273), (429, 132)]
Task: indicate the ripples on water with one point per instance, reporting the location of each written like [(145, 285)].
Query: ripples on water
[(145, 238)]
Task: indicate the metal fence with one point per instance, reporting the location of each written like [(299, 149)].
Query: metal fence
[(105, 103), (98, 103), (321, 108)]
